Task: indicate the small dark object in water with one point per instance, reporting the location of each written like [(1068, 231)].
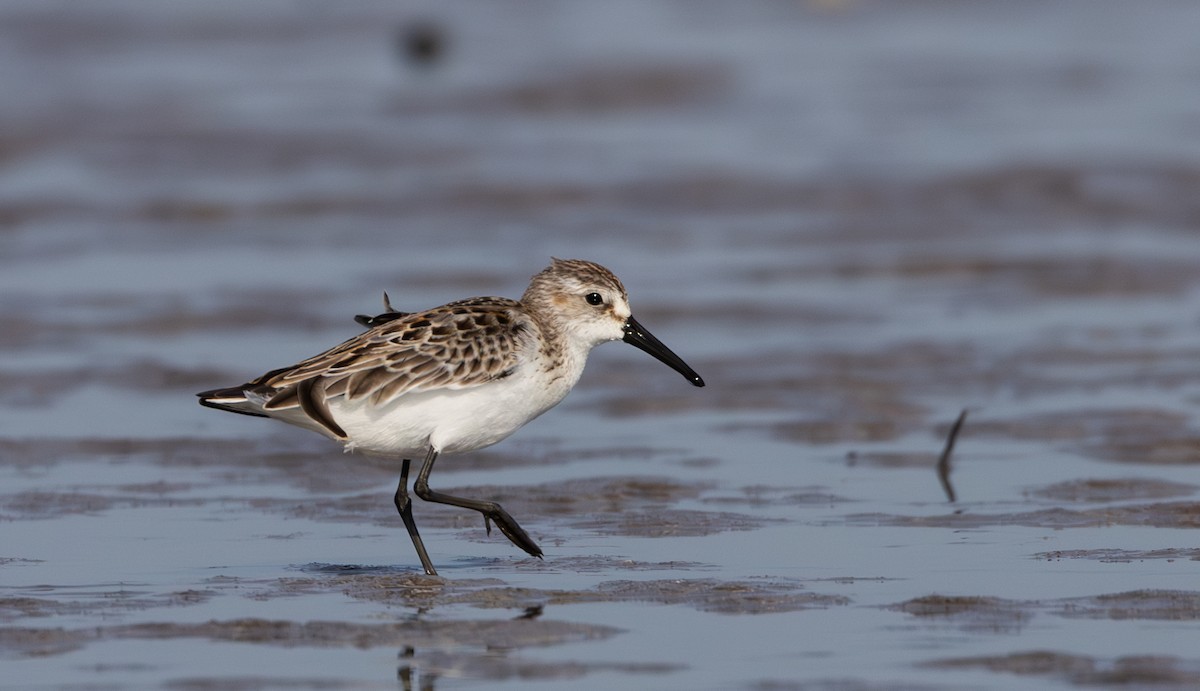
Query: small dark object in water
[(421, 43), (943, 465)]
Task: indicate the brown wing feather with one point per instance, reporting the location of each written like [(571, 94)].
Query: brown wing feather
[(312, 401), (460, 345)]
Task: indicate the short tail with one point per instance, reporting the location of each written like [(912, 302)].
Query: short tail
[(232, 399)]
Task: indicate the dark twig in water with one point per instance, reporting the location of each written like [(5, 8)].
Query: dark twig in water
[(943, 465)]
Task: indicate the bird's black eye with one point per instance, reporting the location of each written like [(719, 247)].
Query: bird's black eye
[(594, 299)]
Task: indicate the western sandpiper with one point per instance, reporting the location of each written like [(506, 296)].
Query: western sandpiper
[(453, 378)]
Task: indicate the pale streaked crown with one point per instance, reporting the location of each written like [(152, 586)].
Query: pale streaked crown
[(558, 296)]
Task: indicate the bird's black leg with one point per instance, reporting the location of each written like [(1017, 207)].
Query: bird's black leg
[(404, 506), (490, 509)]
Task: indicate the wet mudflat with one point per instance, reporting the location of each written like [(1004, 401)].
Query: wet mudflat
[(855, 220)]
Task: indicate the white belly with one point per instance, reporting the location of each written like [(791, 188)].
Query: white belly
[(450, 420)]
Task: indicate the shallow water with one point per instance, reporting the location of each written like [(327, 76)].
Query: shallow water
[(854, 219)]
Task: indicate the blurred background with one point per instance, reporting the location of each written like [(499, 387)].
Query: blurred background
[(853, 217), (205, 172)]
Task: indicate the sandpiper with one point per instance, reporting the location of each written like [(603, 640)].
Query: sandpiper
[(453, 378)]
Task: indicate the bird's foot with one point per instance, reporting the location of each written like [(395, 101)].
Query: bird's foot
[(511, 529)]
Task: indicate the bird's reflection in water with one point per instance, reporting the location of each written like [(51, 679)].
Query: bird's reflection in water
[(410, 670), (532, 612), (407, 671)]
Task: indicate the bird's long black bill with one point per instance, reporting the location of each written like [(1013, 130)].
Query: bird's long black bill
[(636, 335)]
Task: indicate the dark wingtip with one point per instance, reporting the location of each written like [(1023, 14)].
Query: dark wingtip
[(207, 402), (226, 392)]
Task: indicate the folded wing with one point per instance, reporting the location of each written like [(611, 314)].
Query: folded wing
[(461, 345)]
